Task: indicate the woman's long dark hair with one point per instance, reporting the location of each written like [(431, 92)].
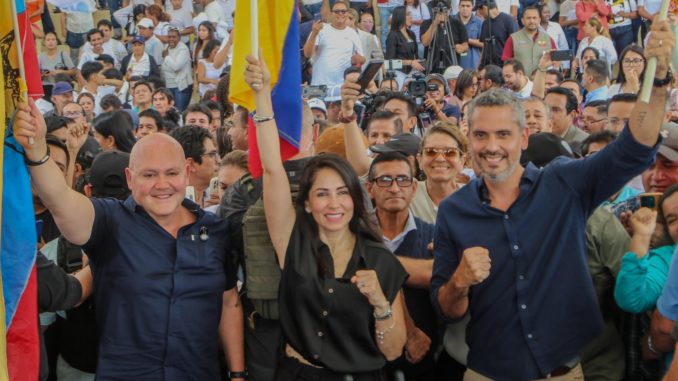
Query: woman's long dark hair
[(621, 77), (199, 43), (398, 18), (360, 223), (116, 124), (464, 81)]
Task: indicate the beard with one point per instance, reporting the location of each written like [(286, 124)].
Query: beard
[(496, 176)]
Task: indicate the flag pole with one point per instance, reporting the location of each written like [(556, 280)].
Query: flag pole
[(20, 57), (254, 27), (650, 70)]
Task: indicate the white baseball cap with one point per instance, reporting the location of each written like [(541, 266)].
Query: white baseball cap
[(452, 72), (145, 23), (315, 103)]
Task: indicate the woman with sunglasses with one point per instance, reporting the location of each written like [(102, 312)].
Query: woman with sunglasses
[(441, 158), (341, 308)]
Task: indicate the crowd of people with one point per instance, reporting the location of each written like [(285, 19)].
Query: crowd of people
[(496, 204)]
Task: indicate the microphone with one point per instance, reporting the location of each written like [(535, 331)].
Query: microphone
[(204, 236)]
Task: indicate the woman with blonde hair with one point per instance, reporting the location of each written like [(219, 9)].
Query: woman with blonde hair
[(596, 36)]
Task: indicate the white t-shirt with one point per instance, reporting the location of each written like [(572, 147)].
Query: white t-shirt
[(505, 5), (652, 6), (87, 57), (162, 28), (333, 51), (79, 22), (604, 46), (568, 9), (526, 91), (141, 67), (181, 19), (187, 4), (214, 12), (418, 13), (113, 48), (154, 47)]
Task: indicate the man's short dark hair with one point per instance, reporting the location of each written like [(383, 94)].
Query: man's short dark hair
[(113, 73), (557, 73), (90, 68), (571, 104), (191, 139), (93, 32), (470, 1), (516, 65), (151, 113), (624, 97), (388, 115), (56, 142), (602, 136), (411, 106), (143, 83), (197, 107), (598, 70), (105, 58), (110, 102), (105, 22), (493, 73), (212, 106), (599, 105), (388, 157), (532, 7)]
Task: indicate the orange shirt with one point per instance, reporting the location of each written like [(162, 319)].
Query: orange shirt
[(32, 6)]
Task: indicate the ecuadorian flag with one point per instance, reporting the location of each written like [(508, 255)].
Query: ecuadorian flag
[(278, 28), (19, 340)]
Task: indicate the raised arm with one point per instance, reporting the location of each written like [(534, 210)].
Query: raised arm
[(280, 214), (647, 118), (355, 149), (72, 211)]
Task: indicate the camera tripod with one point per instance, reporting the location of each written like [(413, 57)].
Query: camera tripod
[(439, 58)]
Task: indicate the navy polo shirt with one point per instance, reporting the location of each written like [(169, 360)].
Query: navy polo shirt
[(537, 309), (158, 299)]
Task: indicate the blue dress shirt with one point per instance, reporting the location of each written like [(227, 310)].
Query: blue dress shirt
[(537, 309), (158, 298)]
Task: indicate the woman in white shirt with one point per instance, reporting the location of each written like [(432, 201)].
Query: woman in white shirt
[(208, 75), (596, 36), (160, 22)]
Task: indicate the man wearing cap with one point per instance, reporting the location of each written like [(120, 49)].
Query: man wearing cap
[(164, 281), (451, 74), (139, 62), (435, 102), (318, 108), (62, 93), (152, 44), (473, 25), (497, 28), (405, 144)]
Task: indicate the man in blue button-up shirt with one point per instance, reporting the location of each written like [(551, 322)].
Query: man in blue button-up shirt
[(510, 246), (164, 287)]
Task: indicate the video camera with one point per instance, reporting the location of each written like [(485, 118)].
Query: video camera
[(417, 87), (441, 7)]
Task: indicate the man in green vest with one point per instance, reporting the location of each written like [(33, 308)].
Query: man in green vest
[(528, 44)]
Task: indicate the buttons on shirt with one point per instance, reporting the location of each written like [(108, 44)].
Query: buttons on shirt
[(331, 291), (316, 356), (515, 247), (521, 277), (529, 336), (325, 313), (523, 306), (320, 333), (506, 216)]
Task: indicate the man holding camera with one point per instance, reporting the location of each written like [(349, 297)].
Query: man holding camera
[(447, 40)]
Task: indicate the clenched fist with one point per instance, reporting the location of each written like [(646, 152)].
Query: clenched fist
[(474, 267)]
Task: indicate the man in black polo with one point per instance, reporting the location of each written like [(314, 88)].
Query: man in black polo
[(447, 37), (164, 284)]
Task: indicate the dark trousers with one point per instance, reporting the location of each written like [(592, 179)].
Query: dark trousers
[(182, 97), (292, 370), (622, 36), (263, 341)]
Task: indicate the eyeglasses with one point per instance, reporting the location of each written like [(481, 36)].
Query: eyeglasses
[(73, 114), (386, 181), (592, 121), (212, 155), (340, 11), (448, 153), (633, 61)]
